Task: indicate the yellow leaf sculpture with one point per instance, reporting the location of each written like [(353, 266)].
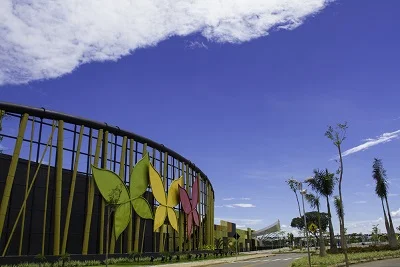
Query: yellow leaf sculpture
[(166, 207)]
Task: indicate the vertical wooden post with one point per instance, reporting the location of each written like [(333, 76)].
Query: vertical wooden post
[(181, 233), (130, 225), (46, 195), (122, 172), (57, 207), (11, 171), (91, 190), (103, 202), (71, 192), (209, 215), (200, 213), (137, 221), (188, 190), (212, 214), (164, 177), (26, 185), (26, 198)]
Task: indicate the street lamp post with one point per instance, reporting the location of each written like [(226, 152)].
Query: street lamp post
[(303, 192)]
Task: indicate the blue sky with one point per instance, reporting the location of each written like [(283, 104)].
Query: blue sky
[(249, 108)]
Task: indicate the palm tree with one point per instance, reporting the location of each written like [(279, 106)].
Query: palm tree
[(294, 186), (338, 207), (315, 204), (324, 184), (381, 190), (290, 238), (340, 213)]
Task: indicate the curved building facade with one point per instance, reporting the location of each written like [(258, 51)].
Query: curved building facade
[(61, 175)]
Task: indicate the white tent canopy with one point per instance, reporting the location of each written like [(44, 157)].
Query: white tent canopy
[(275, 227)]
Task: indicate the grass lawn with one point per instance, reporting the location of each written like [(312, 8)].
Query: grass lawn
[(159, 262), (332, 259), (122, 262)]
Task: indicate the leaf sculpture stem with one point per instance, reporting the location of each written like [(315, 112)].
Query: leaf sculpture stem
[(144, 231), (108, 233)]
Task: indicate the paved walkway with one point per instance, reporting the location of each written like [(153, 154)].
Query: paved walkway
[(244, 257), (380, 263), (280, 260)]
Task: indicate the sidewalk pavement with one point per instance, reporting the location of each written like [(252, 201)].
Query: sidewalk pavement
[(244, 256)]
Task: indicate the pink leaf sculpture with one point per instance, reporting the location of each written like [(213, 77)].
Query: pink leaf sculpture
[(190, 206)]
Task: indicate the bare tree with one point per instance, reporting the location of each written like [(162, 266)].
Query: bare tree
[(337, 135)]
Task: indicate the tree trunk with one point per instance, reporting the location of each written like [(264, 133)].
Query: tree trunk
[(387, 226), (322, 250), (298, 203), (392, 237), (342, 233), (331, 233), (386, 221), (390, 216)]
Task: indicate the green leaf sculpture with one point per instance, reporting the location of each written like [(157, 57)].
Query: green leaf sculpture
[(107, 181), (139, 180)]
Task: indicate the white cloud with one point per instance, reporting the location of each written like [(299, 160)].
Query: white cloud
[(244, 205), (195, 44), (246, 222), (238, 205), (370, 142), (45, 39), (232, 198), (360, 202), (2, 147), (364, 226), (395, 214), (359, 194), (285, 226), (392, 195)]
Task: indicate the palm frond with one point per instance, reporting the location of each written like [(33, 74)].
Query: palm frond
[(379, 175), (313, 200), (293, 184), (338, 207), (323, 183)]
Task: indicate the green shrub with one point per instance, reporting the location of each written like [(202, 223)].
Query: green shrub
[(363, 249), (332, 259), (208, 247)]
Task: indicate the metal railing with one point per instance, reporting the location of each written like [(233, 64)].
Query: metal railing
[(43, 154)]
